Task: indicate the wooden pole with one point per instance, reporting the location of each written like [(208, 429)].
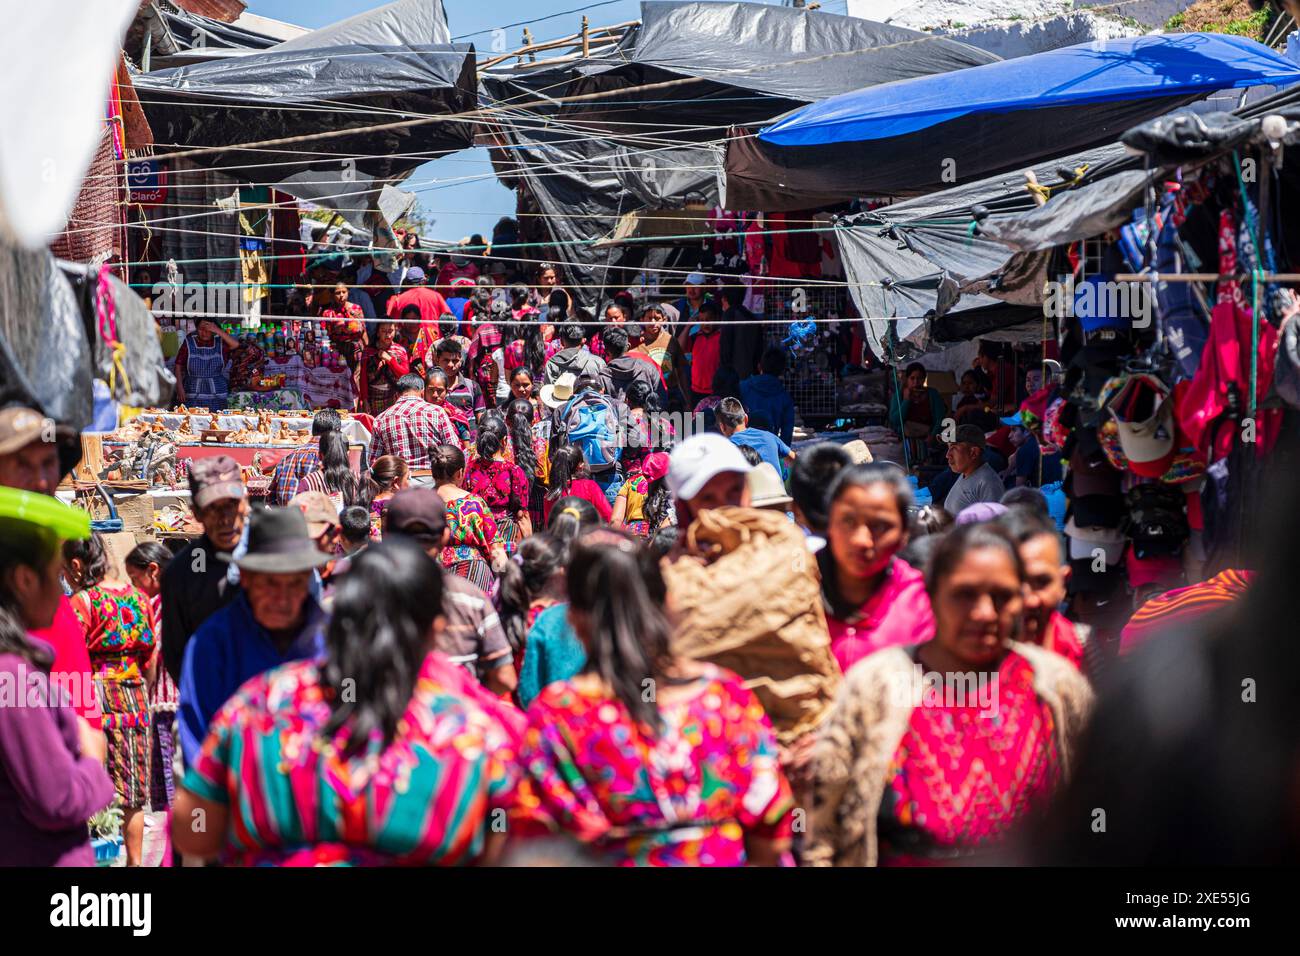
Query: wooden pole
[(586, 37)]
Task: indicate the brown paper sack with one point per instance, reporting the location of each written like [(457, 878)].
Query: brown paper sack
[(756, 609)]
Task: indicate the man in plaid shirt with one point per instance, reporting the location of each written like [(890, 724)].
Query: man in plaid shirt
[(411, 426), (302, 461)]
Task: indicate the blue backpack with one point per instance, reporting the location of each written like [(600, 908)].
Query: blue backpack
[(590, 421)]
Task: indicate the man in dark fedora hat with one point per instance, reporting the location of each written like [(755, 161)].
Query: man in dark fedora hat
[(273, 620)]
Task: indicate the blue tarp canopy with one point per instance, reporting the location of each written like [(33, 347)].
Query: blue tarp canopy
[(917, 136), (1131, 68)]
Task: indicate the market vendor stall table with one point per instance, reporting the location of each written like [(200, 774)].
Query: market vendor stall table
[(245, 455), (353, 430)]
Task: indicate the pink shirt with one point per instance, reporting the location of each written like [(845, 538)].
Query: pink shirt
[(897, 614), (586, 489), (72, 660)]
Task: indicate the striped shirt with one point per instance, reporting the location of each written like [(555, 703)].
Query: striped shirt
[(1183, 606)]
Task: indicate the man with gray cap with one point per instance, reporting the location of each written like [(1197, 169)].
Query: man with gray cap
[(30, 447), (976, 480), (195, 584), (473, 637), (273, 619)]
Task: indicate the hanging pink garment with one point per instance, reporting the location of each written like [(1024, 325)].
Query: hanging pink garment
[(1225, 366)]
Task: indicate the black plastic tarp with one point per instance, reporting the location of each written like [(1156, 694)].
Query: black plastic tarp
[(780, 53), (190, 31), (725, 63), (915, 265), (384, 66), (45, 348), (1080, 213)]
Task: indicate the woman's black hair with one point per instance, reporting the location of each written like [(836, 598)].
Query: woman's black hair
[(384, 472), (567, 464), (94, 559), (751, 455), (445, 461), (960, 541), (641, 394), (617, 584), (915, 367), (539, 558), (929, 520), (376, 642), (811, 476), (22, 544), (519, 293), (859, 476), (664, 540), (873, 473), (534, 345), (491, 436), (918, 551), (524, 369), (147, 553), (658, 503), (570, 516), (339, 476), (519, 423), (435, 371)]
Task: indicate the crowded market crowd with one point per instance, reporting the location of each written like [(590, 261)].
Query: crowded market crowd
[(582, 594)]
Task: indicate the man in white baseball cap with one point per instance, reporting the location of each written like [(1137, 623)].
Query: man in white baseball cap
[(708, 471)]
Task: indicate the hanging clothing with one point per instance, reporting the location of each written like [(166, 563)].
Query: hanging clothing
[(286, 241), (1224, 373)]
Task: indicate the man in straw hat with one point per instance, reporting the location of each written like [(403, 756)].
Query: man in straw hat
[(273, 620)]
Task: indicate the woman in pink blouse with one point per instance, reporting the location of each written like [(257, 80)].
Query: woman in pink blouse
[(873, 598), (569, 476), (501, 483)]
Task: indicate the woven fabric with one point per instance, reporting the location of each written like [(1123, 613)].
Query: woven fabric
[(93, 232)]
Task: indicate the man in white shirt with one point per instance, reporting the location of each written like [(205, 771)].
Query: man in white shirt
[(976, 479)]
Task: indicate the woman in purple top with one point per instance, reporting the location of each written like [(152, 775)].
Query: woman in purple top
[(52, 776)]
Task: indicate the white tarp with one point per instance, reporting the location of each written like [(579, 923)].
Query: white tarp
[(57, 61)]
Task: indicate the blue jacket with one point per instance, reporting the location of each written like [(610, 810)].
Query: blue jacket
[(554, 652), (766, 395), (229, 648)]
